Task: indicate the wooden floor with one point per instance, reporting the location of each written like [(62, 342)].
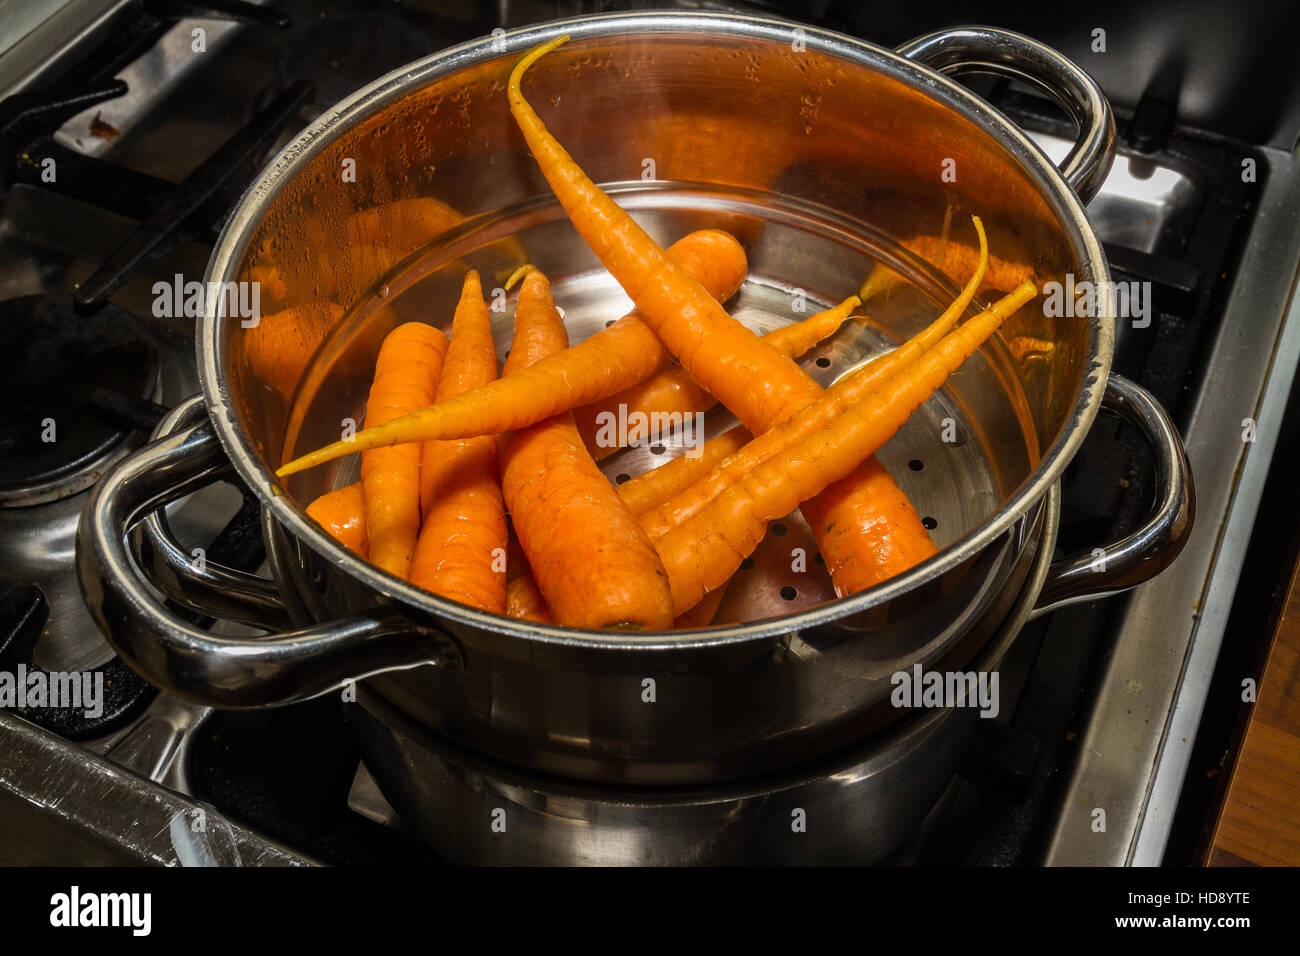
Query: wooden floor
[(1260, 821)]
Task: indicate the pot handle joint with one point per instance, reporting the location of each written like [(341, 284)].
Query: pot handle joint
[(1151, 548), (203, 586), (1002, 52), (188, 661)]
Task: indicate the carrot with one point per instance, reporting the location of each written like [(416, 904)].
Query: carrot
[(280, 346), (343, 514), (403, 225), (593, 564), (858, 512), (460, 553), (703, 613), (673, 391), (748, 375), (703, 552), (647, 491), (471, 361), (524, 602), (611, 360), (406, 377), (954, 258), (867, 529)]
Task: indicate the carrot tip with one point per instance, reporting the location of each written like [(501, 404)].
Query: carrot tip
[(527, 60), (518, 274), (501, 275)]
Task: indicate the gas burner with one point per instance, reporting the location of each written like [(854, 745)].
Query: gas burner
[(52, 442)]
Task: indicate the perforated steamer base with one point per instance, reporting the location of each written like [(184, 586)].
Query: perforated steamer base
[(950, 458)]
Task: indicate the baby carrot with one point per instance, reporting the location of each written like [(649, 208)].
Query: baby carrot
[(672, 390), (867, 529), (953, 259), (703, 552), (280, 346), (611, 360), (592, 561), (460, 553), (343, 514), (406, 377)]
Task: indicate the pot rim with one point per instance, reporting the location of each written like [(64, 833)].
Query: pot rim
[(239, 229)]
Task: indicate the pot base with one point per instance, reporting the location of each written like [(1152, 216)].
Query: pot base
[(853, 807)]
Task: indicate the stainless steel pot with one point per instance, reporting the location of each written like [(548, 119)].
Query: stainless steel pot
[(850, 808), (824, 154)]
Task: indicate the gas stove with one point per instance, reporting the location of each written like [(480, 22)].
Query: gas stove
[(127, 132)]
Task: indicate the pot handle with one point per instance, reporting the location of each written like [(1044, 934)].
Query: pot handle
[(1150, 549), (991, 50), (218, 670), (221, 592)]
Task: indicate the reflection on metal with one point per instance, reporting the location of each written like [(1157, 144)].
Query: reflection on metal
[(157, 745), (1141, 205), (860, 802), (63, 806), (150, 79), (1134, 752), (33, 35)]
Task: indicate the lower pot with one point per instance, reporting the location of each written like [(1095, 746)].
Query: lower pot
[(853, 807)]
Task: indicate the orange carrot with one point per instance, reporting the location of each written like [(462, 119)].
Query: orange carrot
[(279, 347), (867, 529), (703, 613), (953, 259), (673, 391), (460, 553), (703, 552), (611, 360), (524, 602), (748, 375), (406, 377), (593, 564), (871, 516), (649, 490), (403, 225), (343, 514)]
